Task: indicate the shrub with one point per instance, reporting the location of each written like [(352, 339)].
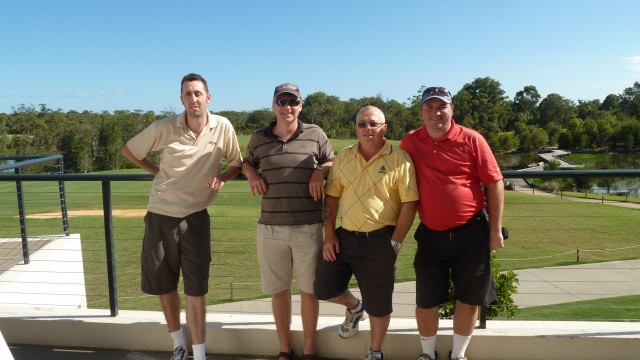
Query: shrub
[(505, 283)]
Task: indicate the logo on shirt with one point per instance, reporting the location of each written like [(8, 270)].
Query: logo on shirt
[(383, 170)]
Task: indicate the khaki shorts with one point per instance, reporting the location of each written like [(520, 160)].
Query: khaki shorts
[(285, 249)]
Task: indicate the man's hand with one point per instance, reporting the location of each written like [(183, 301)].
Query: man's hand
[(256, 183), (215, 183), (331, 246), (258, 186), (496, 241), (316, 185)]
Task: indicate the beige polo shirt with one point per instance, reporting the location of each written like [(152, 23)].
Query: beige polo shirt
[(372, 191), (186, 163)]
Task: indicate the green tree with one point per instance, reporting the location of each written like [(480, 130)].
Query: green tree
[(586, 109), (533, 138), (525, 103), (610, 103), (329, 113), (630, 100), (482, 105), (258, 119), (555, 109)]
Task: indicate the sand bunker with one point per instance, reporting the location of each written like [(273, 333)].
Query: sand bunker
[(72, 213)]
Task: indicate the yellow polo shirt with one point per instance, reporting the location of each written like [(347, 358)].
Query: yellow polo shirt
[(186, 162), (371, 192)]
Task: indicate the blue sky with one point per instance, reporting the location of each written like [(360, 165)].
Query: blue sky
[(130, 55)]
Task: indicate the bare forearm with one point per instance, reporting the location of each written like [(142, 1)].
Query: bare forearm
[(495, 204), (330, 210), (406, 217), (143, 164), (231, 173)]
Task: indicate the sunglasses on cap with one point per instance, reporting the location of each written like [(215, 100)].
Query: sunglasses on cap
[(372, 124), (437, 90), (284, 102)]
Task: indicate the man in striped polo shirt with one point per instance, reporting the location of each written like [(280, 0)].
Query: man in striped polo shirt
[(294, 159), (377, 184)]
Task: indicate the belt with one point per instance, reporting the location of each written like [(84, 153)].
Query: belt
[(480, 215), (385, 230)]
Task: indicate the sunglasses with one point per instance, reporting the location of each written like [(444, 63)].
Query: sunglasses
[(372, 125), (437, 90), (284, 102)]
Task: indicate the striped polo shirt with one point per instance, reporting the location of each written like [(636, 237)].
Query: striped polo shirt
[(286, 169)]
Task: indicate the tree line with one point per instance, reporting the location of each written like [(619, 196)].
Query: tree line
[(92, 141)]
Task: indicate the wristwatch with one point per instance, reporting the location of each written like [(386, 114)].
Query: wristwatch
[(318, 167), (397, 245)]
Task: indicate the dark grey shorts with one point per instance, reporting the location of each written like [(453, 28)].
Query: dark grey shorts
[(371, 259), (463, 254), (171, 244)]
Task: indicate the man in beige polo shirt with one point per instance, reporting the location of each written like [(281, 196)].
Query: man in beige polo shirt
[(177, 225), (376, 182)]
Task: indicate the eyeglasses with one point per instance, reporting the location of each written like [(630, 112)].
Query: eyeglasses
[(437, 90), (372, 125), (291, 102)]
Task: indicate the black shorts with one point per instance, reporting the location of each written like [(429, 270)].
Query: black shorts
[(170, 244), (371, 259), (463, 254)]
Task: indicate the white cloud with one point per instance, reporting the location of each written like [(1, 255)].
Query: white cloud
[(633, 63)]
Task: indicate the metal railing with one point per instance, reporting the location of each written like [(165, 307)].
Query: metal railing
[(32, 160), (107, 206)]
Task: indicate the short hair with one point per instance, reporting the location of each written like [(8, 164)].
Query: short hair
[(194, 77), (374, 109)]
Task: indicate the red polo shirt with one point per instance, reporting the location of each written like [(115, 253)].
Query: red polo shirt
[(450, 173)]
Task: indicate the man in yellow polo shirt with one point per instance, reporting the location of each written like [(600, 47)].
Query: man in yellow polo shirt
[(377, 184)]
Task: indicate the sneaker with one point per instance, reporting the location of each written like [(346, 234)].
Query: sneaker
[(180, 353), (351, 323), (424, 356), (458, 358), (370, 356)]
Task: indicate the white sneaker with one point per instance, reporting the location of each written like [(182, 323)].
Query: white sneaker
[(370, 356), (424, 356), (351, 323), (180, 353)]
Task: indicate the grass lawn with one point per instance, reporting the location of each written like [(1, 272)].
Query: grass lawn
[(623, 308), (602, 197), (543, 232)]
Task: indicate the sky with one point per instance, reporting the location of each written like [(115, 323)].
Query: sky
[(131, 54)]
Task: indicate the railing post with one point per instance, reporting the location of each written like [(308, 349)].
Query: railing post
[(63, 200), (23, 221), (483, 317), (108, 238)]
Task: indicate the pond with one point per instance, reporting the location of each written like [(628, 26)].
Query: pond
[(618, 161)]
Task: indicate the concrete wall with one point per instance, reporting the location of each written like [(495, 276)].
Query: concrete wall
[(254, 334)]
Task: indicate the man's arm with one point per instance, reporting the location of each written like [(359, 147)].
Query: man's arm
[(331, 245), (143, 164), (218, 181), (405, 219), (256, 183), (316, 181), (495, 204)]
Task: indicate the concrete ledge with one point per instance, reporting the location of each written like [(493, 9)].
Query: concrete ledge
[(254, 334)]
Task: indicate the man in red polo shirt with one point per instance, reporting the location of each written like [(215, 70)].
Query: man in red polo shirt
[(459, 226)]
